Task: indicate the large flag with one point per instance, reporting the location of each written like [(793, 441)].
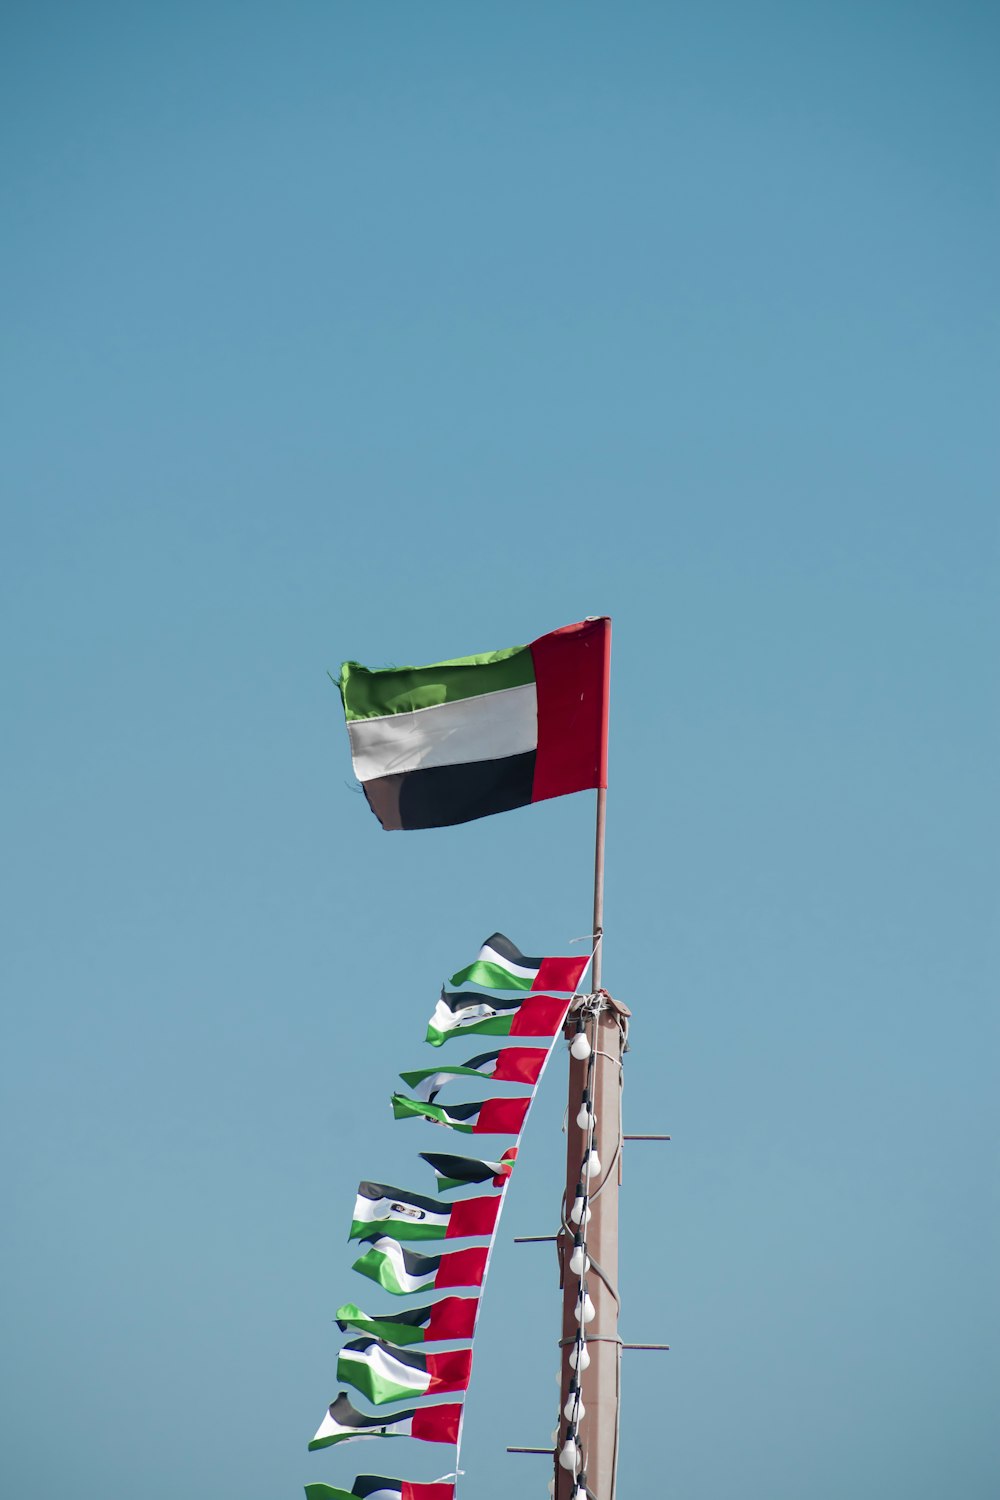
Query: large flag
[(404, 1271), (376, 1487), (431, 1424), (501, 966), (506, 1065), (484, 1117), (407, 1216), (449, 1318), (384, 1373), (464, 1171), (482, 734), (464, 1013)]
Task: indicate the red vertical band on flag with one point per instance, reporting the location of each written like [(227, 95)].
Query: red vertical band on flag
[(426, 1491), (572, 679), (560, 974), (519, 1065), (449, 1372), (452, 1318), (539, 1015), (436, 1424), (462, 1268), (501, 1117), (473, 1216)]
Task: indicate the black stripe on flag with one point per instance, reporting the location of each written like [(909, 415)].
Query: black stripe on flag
[(462, 1168)]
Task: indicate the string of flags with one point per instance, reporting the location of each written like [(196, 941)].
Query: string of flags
[(502, 993)]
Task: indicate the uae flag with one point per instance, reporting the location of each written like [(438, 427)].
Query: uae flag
[(506, 1065), (383, 1373), (450, 1318), (463, 1013), (406, 1216), (376, 1487), (481, 734), (484, 1117), (465, 1171), (404, 1271), (431, 1424), (501, 966)]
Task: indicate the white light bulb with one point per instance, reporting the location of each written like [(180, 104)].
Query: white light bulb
[(586, 1310), (591, 1164), (551, 1487), (579, 1357), (584, 1117), (574, 1410), (555, 1436), (579, 1261), (559, 1379), (580, 1047), (569, 1457), (578, 1213)]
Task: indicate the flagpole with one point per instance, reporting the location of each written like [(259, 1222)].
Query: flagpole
[(602, 807), (589, 1398)]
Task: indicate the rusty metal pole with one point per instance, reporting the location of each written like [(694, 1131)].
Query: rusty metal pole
[(600, 1384)]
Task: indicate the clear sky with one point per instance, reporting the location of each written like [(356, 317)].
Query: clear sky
[(397, 332)]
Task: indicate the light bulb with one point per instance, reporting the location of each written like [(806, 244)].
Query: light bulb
[(591, 1164), (579, 1046), (574, 1410), (551, 1487), (579, 1213), (585, 1309), (555, 1436), (584, 1117), (579, 1357), (569, 1457), (579, 1261)]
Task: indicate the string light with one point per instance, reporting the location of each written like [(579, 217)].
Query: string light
[(569, 1456), (580, 1046), (574, 1410), (580, 1213), (591, 1164), (579, 1356), (579, 1261)]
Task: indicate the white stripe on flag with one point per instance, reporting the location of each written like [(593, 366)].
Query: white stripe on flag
[(486, 727), (488, 955), (384, 1367)]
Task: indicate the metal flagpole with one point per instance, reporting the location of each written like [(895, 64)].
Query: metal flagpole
[(590, 1385)]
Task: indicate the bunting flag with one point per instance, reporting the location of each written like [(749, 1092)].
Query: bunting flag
[(501, 966), (383, 1373), (450, 1318), (430, 1424), (407, 1216), (458, 1013), (506, 1065), (461, 739), (484, 1117), (375, 1487), (465, 1171), (403, 1271)]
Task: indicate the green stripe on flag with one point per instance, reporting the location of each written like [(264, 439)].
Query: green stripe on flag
[(492, 977), (370, 694), (490, 1026), (403, 1108)]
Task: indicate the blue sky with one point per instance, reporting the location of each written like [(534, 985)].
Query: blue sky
[(396, 332)]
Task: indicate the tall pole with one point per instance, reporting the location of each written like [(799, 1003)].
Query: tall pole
[(589, 1397)]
